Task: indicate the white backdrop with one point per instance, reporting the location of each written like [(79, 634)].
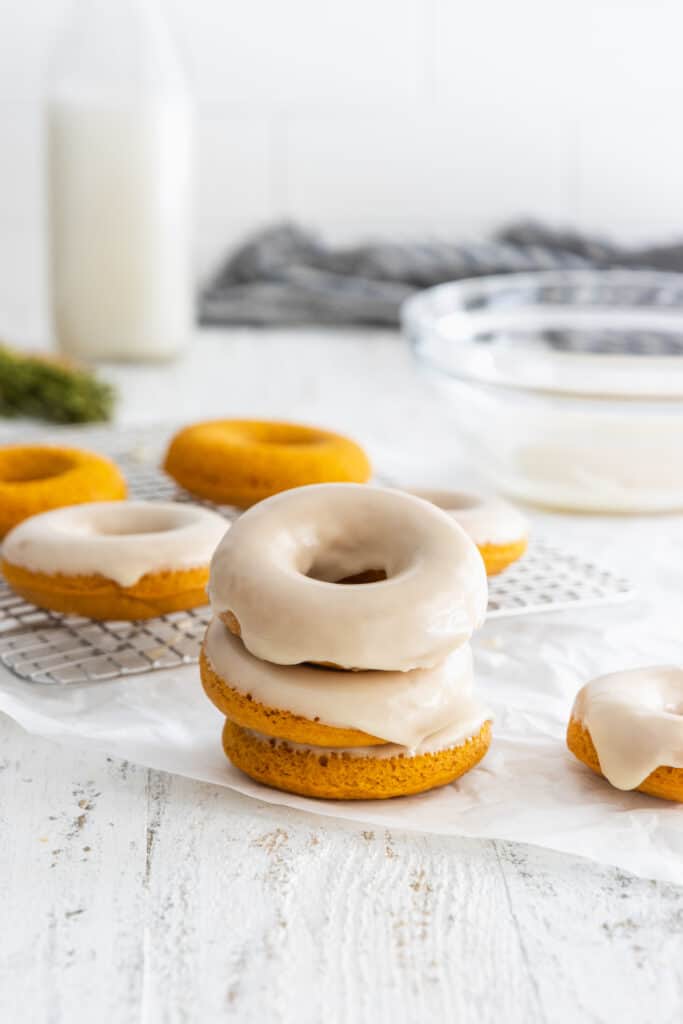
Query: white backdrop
[(386, 116)]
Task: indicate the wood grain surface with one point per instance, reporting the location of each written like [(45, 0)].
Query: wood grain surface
[(129, 895)]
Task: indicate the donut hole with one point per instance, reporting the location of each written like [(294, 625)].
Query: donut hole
[(360, 554), (451, 501), (132, 529), (321, 573), (289, 442), (127, 520), (29, 466), (274, 434), (368, 576)]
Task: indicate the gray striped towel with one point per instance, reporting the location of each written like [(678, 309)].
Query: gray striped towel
[(285, 275)]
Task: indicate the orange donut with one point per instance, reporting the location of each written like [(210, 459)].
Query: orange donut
[(252, 714), (114, 560), (35, 478), (628, 727), (665, 781), (332, 708), (497, 528), (240, 462), (366, 773), (95, 597)]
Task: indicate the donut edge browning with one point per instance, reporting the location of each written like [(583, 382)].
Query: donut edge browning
[(343, 776), (278, 722), (97, 597), (664, 782)]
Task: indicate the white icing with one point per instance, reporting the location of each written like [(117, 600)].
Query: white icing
[(601, 457), (485, 520), (120, 540), (635, 720), (468, 724), (400, 707), (276, 571)]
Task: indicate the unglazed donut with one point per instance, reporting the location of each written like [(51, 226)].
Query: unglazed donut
[(35, 478), (240, 462), (628, 727), (359, 773), (325, 707), (497, 528), (278, 577), (114, 560)]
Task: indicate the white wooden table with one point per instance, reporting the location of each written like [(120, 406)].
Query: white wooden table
[(130, 895)]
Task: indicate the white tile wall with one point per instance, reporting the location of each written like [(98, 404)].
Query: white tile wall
[(304, 52), (630, 151), (27, 30), (387, 116), (234, 179), (428, 169)]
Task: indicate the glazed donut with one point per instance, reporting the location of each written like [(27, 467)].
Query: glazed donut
[(240, 462), (359, 773), (286, 577), (35, 478), (111, 560), (325, 707), (497, 528), (628, 727)]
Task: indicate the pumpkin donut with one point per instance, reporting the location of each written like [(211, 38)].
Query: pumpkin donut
[(628, 727), (114, 560), (284, 572), (360, 773), (240, 462), (328, 707), (495, 526), (35, 478), (381, 592)]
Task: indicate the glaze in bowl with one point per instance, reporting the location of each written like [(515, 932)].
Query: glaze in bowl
[(566, 386)]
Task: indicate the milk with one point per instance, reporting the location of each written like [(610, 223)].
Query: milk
[(120, 226), (118, 175)]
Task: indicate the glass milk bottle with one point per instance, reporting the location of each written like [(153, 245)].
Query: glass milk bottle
[(119, 146)]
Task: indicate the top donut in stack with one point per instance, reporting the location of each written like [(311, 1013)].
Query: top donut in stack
[(339, 649)]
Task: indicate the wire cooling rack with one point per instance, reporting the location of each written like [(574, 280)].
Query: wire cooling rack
[(45, 647), (550, 579)]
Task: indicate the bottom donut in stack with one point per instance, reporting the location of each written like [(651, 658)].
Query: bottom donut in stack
[(338, 689), (290, 726)]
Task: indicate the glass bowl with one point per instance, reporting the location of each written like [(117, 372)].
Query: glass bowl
[(566, 386)]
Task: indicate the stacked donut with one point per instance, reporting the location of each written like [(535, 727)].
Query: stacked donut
[(339, 648)]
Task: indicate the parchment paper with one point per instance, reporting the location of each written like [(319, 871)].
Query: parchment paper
[(529, 788)]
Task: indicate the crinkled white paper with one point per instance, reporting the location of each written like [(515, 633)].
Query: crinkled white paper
[(528, 788)]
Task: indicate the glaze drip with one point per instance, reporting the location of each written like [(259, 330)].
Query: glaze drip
[(635, 721), (400, 707), (120, 540)]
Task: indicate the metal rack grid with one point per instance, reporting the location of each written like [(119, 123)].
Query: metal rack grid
[(45, 647), (549, 579)]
